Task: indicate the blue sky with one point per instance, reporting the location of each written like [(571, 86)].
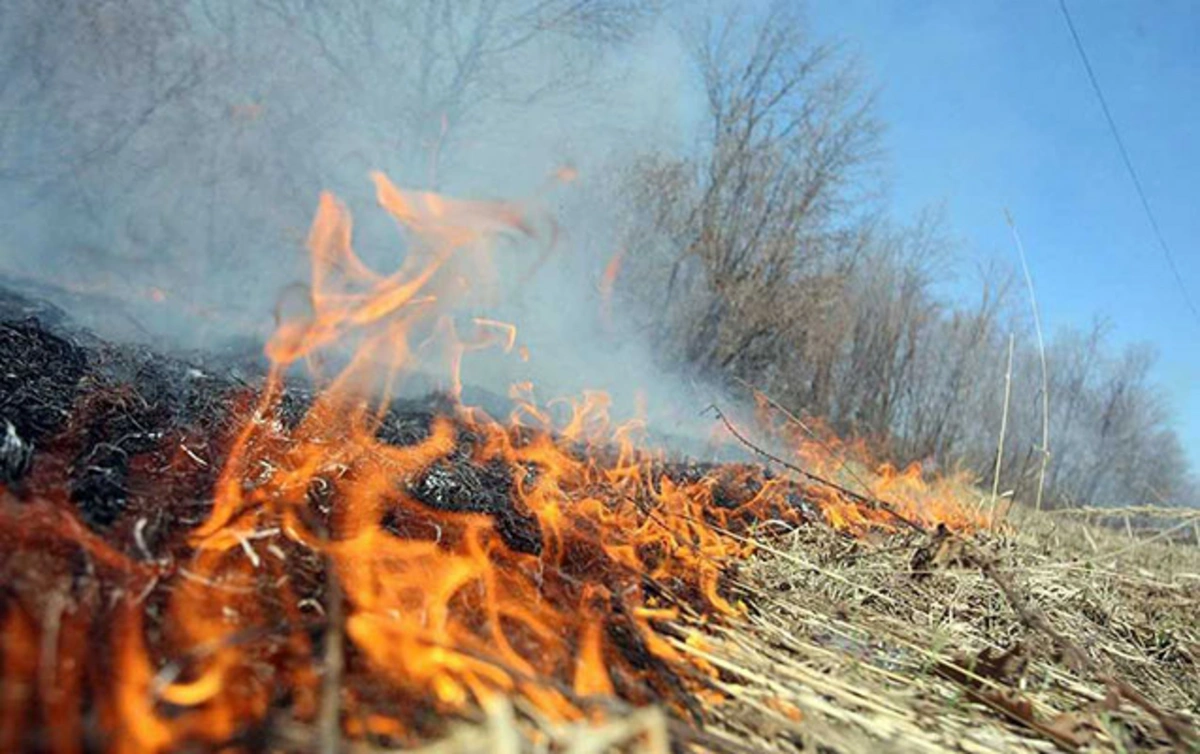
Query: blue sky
[(988, 106)]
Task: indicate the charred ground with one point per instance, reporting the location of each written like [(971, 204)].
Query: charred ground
[(109, 458)]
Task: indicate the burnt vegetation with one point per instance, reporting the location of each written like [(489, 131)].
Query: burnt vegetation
[(129, 444)]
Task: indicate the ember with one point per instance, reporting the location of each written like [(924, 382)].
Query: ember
[(183, 552)]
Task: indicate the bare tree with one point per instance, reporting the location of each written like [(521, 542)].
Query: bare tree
[(741, 232)]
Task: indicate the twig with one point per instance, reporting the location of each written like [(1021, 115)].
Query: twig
[(48, 666), (169, 672), (843, 465), (871, 502)]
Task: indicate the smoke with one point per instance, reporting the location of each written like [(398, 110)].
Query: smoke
[(162, 160)]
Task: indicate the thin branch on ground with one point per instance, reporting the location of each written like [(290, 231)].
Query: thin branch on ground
[(843, 461), (874, 503)]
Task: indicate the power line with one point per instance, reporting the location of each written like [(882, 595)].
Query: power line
[(1137, 182)]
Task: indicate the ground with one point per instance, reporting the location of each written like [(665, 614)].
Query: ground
[(1037, 631), (846, 648)]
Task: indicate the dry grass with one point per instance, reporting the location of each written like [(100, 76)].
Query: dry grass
[(858, 642), (845, 647)]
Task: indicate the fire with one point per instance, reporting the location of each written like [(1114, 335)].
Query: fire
[(906, 492), (544, 556), (608, 282)]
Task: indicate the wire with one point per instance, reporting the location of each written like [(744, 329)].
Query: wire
[(1137, 183)]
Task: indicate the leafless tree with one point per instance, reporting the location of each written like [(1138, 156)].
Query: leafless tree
[(739, 234)]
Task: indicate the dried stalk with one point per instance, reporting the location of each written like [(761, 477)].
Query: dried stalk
[(1003, 429), (1037, 324), (1149, 511)]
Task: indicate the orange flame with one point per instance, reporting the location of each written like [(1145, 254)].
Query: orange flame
[(906, 493), (540, 557), (608, 282)]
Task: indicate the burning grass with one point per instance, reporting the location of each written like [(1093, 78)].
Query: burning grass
[(454, 586), (196, 562)]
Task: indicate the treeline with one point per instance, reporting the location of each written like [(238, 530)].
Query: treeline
[(762, 256)]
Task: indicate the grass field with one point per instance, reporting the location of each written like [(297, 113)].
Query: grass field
[(906, 642)]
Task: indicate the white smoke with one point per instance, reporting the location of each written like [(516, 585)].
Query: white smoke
[(162, 160)]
